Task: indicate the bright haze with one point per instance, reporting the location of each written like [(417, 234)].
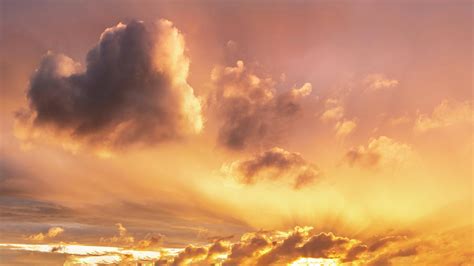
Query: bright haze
[(236, 132)]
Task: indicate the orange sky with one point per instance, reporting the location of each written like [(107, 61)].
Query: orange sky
[(192, 121)]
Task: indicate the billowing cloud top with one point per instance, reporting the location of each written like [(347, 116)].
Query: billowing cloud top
[(249, 109), (134, 89)]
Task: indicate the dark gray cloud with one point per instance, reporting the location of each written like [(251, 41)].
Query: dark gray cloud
[(274, 164), (250, 111), (133, 89)]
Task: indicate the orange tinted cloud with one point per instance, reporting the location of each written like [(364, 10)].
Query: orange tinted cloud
[(274, 164), (122, 238), (249, 108), (376, 82), (447, 113), (279, 248), (345, 127), (52, 233), (380, 152)]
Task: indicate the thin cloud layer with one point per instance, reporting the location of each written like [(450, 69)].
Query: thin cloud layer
[(274, 164), (133, 90), (380, 152), (249, 109)]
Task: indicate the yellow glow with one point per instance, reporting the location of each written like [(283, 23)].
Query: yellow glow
[(101, 253), (314, 262)]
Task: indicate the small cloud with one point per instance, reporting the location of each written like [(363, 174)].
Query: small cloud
[(122, 238), (52, 233), (335, 113), (447, 113), (380, 152), (344, 128), (377, 82), (151, 241), (274, 164)]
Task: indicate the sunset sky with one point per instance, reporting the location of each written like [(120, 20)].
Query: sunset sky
[(236, 132)]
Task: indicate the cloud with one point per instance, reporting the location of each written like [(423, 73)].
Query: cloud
[(385, 258), (376, 82), (247, 249), (335, 112), (151, 241), (273, 164), (354, 252), (190, 255), (249, 108), (380, 152), (271, 249), (122, 238), (199, 255), (280, 248), (133, 90), (52, 233), (382, 242), (345, 127), (447, 113)]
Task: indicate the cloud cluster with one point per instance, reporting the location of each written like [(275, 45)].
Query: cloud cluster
[(207, 255), (273, 164), (133, 90), (446, 114), (380, 152), (284, 247), (334, 112), (249, 108), (52, 233), (299, 245)]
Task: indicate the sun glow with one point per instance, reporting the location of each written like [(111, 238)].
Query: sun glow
[(92, 254), (314, 262)]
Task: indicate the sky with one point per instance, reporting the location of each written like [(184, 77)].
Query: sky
[(236, 132)]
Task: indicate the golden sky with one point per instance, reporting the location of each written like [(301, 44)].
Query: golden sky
[(236, 132)]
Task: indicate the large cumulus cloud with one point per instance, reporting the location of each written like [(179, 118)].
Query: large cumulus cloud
[(249, 109), (133, 89), (273, 164)]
